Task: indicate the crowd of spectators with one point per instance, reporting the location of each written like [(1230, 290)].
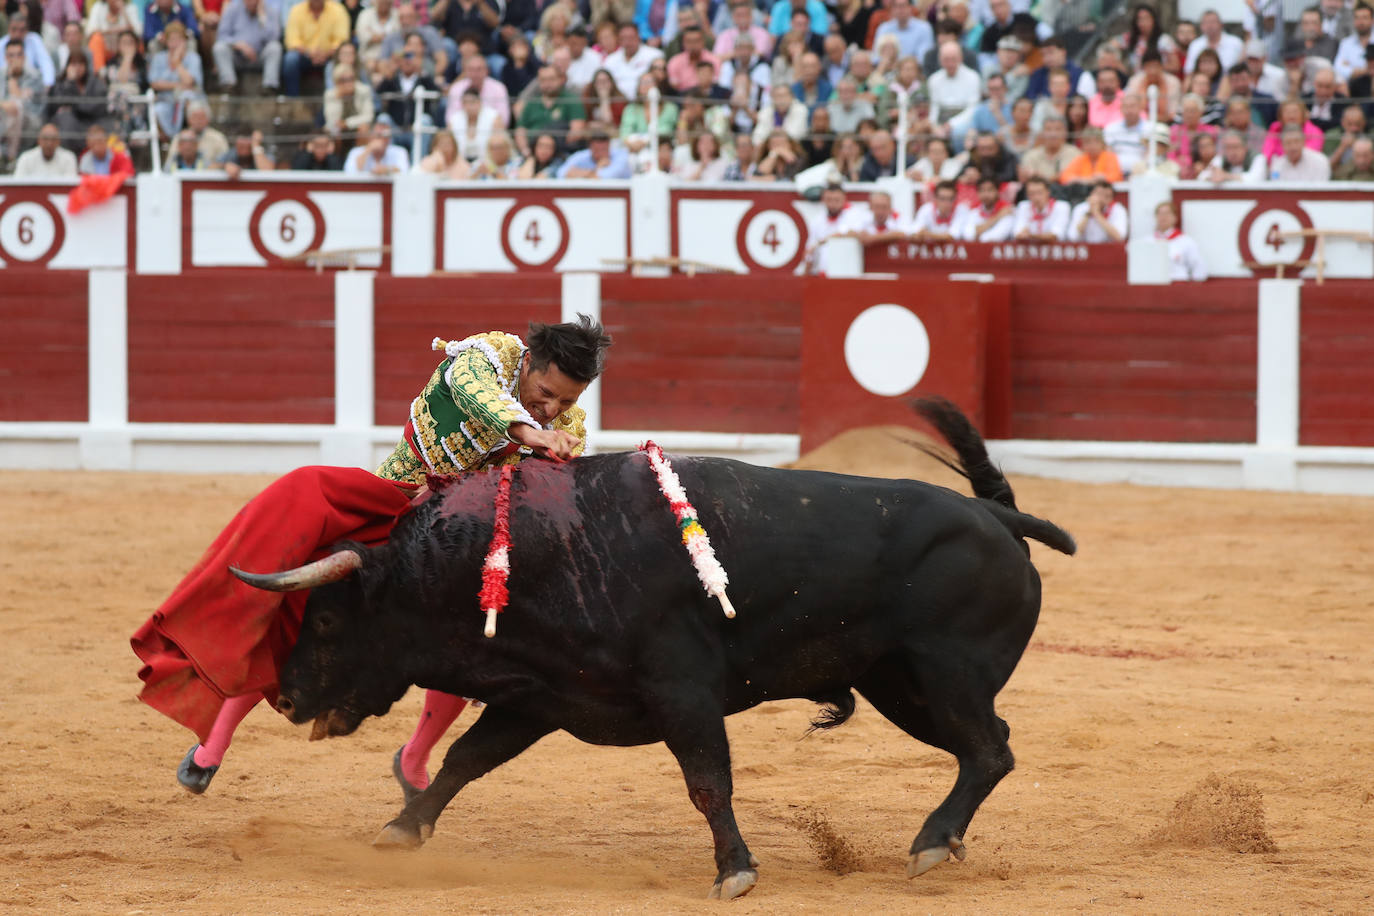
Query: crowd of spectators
[(802, 91)]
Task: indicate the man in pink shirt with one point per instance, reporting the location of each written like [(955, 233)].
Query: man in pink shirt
[(682, 66), (492, 92), (742, 15), (1104, 108)]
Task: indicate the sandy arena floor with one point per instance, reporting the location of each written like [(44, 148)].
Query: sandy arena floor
[(1197, 634)]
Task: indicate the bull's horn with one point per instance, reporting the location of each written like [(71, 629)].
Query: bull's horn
[(332, 568)]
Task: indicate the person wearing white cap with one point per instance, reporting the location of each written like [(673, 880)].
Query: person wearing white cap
[(1268, 79), (1164, 166)]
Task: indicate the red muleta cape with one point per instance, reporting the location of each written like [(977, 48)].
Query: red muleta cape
[(217, 637)]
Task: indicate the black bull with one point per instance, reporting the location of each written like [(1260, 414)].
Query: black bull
[(919, 598)]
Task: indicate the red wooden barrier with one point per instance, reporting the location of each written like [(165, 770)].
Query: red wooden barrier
[(1336, 366), (1105, 361), (232, 347), (43, 352)]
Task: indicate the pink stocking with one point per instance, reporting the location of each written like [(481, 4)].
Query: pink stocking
[(234, 710), (441, 710)]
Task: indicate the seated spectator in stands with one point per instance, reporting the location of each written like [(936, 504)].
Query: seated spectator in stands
[(1315, 42), (455, 18), (318, 156), (48, 159), (1351, 54), (162, 13), (397, 96), (1019, 136), (1055, 103), (521, 68), (1011, 64), (1099, 219), (1359, 86), (1336, 18), (810, 87), (682, 67), (583, 61), (1360, 167), (108, 19), (993, 113), (744, 62), (1164, 166), (1095, 163), (872, 86), (846, 109), (845, 162), (834, 59), (378, 157), (554, 23), (1268, 80), (1151, 73), (780, 157), (782, 12), (939, 163), (1239, 118), (880, 225), (1188, 125), (706, 88), (1215, 38), (1292, 113), (185, 155), (991, 219), (374, 23), (1263, 108), (543, 161), (21, 95), (781, 112), (819, 137), (1185, 33), (210, 143), (1323, 107), (1040, 218), (636, 133), (708, 162), (408, 20), (472, 126), (881, 160), (1051, 155), (601, 159), (1298, 162), (1185, 259), (630, 60), (83, 100), (445, 161), (491, 91), (1076, 116), (954, 87), (937, 219), (348, 104), (836, 220), (249, 38), (73, 42), (1104, 108), (127, 76), (347, 56), (742, 22), (99, 158), (314, 31), (1144, 35), (246, 153), (1235, 163), (36, 53), (741, 167), (1201, 154), (555, 109), (914, 36), (1340, 140), (1054, 57), (603, 102), (177, 77), (1124, 137), (500, 163), (992, 159)]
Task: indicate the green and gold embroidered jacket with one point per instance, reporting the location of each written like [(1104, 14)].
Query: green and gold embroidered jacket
[(461, 418)]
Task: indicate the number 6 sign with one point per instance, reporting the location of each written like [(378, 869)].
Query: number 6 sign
[(770, 239), (285, 227), (31, 230)]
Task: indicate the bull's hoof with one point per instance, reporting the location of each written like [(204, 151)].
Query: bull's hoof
[(736, 885), (396, 835), (926, 859)]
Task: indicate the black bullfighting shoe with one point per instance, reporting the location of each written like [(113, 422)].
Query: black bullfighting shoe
[(194, 777), (407, 789)]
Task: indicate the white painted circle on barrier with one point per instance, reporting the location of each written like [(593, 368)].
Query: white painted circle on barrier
[(887, 349), (287, 228), (771, 239), (534, 235), (27, 231), (1266, 237)]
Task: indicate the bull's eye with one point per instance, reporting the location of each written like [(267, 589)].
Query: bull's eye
[(324, 622)]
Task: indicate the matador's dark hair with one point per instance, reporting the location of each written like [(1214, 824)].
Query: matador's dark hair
[(577, 348)]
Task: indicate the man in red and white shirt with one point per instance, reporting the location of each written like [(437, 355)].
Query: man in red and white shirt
[(992, 219), (835, 219), (937, 219), (1100, 218), (881, 224), (1040, 218), (1185, 258)]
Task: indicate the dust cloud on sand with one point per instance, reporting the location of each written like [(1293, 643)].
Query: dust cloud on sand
[(1196, 632)]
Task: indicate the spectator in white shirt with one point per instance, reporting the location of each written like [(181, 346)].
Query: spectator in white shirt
[(1100, 218), (583, 61), (48, 159), (836, 219), (1040, 218), (954, 87), (1235, 162), (630, 61), (914, 36), (1126, 137), (472, 126), (881, 224), (1297, 162), (936, 220), (1350, 55), (1185, 260), (1228, 47), (378, 157), (992, 220)]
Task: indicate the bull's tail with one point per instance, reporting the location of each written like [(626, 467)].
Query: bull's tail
[(839, 706), (983, 476)]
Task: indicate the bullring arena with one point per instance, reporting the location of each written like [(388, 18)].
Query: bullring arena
[(1187, 720)]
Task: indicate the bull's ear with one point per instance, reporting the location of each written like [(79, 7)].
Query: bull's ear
[(332, 568)]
